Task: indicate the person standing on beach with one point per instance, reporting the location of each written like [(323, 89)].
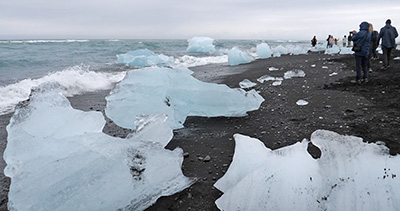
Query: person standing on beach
[(363, 39), (314, 41), (373, 46), (344, 41), (388, 35), (349, 39)]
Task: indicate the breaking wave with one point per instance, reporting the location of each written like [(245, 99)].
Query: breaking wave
[(76, 80)]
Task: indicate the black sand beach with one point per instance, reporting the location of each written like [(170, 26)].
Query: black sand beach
[(371, 111)]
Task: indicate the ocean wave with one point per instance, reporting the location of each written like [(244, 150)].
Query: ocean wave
[(192, 61), (76, 80), (41, 41)]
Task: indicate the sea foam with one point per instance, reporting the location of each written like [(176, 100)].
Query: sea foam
[(76, 80)]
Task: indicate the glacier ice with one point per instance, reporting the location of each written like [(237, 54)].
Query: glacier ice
[(263, 50), (279, 50), (299, 50), (178, 94), (346, 51), (264, 78), (273, 69), (144, 58), (294, 74), (59, 159), (200, 45), (302, 102), (246, 83), (236, 57), (349, 175), (334, 50)]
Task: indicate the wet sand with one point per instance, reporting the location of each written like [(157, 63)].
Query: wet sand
[(371, 111)]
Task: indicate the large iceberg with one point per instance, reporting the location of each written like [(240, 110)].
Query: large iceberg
[(263, 50), (144, 58), (236, 57), (201, 45), (59, 159), (178, 94), (349, 175)]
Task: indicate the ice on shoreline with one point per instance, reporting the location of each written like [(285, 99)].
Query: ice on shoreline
[(178, 94), (200, 45), (263, 50), (349, 175), (246, 83), (59, 159), (144, 58), (236, 57), (294, 74)]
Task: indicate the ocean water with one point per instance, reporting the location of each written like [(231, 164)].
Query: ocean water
[(89, 65)]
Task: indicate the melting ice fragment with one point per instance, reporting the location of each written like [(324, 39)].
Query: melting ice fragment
[(263, 50), (246, 83), (201, 45), (349, 175), (178, 94), (294, 74), (302, 102), (346, 51), (144, 58), (236, 57), (264, 78), (273, 69), (334, 50), (59, 159)]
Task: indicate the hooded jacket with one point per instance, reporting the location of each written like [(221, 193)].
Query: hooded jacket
[(388, 35), (363, 39)]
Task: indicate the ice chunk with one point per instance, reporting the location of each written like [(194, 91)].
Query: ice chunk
[(333, 74), (246, 83), (279, 50), (178, 94), (236, 57), (59, 159), (302, 102), (346, 51), (201, 45), (273, 69), (398, 47), (318, 48), (334, 50), (191, 61), (144, 58), (277, 83), (294, 74), (299, 50), (396, 58), (313, 65), (264, 78), (349, 175), (263, 50)]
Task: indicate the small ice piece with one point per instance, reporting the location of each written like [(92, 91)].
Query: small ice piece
[(277, 83), (313, 65), (236, 57), (264, 78), (176, 93), (333, 74), (397, 58), (398, 46), (273, 69), (200, 45), (334, 50), (324, 67), (58, 158), (349, 175), (294, 74), (246, 83), (302, 102), (144, 58), (264, 51)]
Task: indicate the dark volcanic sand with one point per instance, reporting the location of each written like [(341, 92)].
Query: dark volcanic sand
[(371, 111)]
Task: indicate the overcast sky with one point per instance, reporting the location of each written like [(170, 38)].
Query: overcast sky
[(183, 19)]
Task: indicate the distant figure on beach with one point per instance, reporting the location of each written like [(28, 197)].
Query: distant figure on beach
[(388, 35), (331, 41), (314, 41), (373, 46), (336, 41), (327, 42), (363, 39), (349, 39), (344, 40)]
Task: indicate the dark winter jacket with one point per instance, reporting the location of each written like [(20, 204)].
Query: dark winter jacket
[(363, 39), (388, 35)]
